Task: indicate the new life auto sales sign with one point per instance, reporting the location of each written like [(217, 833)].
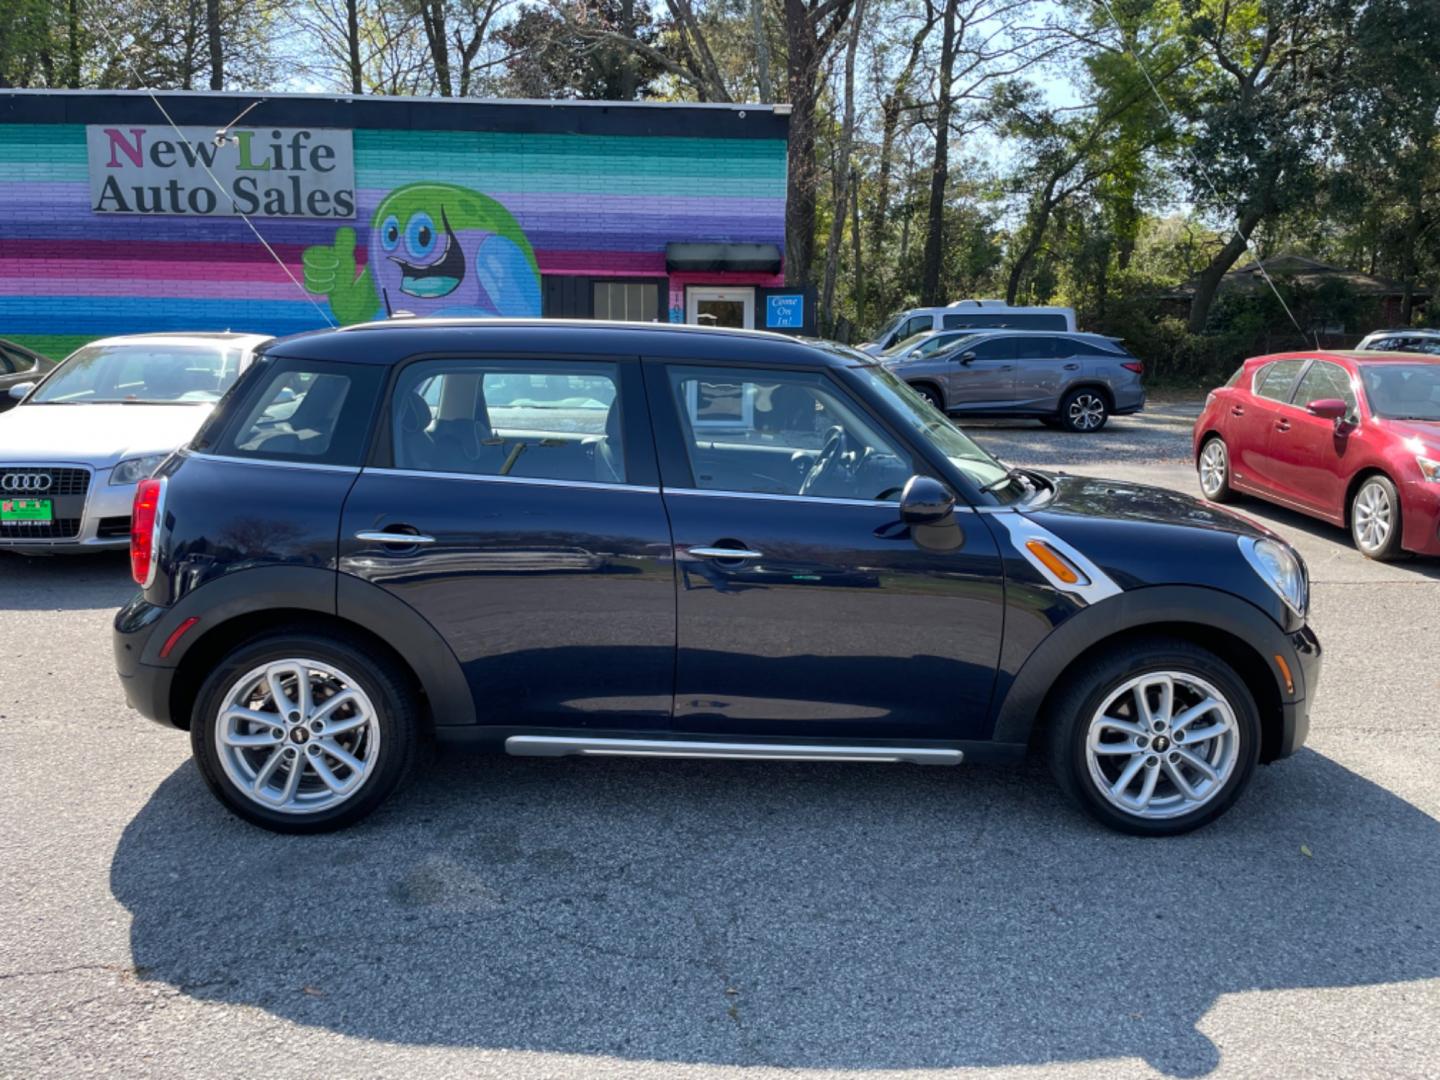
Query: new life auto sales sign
[(264, 172)]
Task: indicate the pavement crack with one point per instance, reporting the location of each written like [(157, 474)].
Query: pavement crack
[(40, 973)]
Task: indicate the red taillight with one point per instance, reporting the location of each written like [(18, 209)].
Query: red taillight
[(144, 522), (1134, 365)]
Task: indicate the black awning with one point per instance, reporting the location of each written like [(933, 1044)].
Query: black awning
[(751, 258)]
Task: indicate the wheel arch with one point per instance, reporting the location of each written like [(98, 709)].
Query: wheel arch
[(242, 606), (1089, 382), (931, 385), (1235, 630), (1205, 437), (1353, 488)]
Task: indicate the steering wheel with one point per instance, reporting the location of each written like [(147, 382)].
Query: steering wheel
[(830, 460)]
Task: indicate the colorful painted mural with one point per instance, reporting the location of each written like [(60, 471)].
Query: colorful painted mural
[(445, 222)]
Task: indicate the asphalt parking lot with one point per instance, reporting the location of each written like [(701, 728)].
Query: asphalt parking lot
[(524, 918)]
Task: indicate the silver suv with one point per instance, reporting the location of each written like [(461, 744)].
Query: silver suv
[(1070, 380), (1406, 339)]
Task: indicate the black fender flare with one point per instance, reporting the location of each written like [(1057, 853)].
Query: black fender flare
[(1018, 712), (327, 593)]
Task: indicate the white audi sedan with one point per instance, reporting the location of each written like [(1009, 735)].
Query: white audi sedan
[(73, 449)]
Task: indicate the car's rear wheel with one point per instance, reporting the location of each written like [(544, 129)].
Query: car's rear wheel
[(1084, 410), (301, 733), (1155, 738), (930, 394), (1375, 522), (1213, 466)]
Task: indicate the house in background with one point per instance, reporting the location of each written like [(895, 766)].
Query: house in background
[(1333, 287)]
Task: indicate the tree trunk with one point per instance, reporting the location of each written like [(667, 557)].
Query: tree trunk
[(857, 271), (1208, 282), (352, 40), (214, 39), (432, 21), (940, 170), (1038, 225), (762, 51), (800, 198), (842, 171), (72, 46)]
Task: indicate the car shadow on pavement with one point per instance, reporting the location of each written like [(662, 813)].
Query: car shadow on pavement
[(64, 582), (820, 916)]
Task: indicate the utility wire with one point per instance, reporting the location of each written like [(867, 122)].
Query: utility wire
[(204, 165), (1200, 168)]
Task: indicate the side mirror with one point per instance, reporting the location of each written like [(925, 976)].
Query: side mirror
[(928, 507), (19, 390), (1328, 409), (966, 357)]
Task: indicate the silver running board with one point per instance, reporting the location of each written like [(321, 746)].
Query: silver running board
[(565, 746)]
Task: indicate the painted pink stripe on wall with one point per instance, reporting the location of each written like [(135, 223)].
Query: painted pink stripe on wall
[(139, 275), (196, 289)]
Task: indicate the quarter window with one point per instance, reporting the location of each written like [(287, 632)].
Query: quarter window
[(311, 411), (542, 420), (1276, 380), (1326, 380), (783, 433)]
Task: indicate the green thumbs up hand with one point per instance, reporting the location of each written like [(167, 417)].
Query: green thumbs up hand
[(330, 272)]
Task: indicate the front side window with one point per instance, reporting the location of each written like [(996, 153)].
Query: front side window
[(783, 433), (539, 420), (994, 348), (141, 375), (940, 343), (1275, 380), (918, 324), (1326, 380), (1403, 391), (306, 411)]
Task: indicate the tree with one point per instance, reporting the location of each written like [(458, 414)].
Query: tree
[(843, 186), (591, 49)]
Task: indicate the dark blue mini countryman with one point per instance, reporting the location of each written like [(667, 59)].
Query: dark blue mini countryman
[(598, 539)]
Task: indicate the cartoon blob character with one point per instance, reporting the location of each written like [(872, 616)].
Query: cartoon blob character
[(434, 249)]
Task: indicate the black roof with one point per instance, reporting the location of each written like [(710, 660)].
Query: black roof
[(394, 340)]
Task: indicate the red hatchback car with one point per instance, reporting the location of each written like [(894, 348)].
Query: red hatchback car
[(1351, 437)]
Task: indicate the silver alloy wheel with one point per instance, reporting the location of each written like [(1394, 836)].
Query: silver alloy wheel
[(297, 735), (1374, 517), (1087, 411), (1214, 468), (1163, 744)]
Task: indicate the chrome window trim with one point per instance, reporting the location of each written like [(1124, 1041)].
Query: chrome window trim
[(769, 497), (271, 463), (536, 481)]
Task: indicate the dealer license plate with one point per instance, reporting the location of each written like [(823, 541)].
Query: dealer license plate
[(26, 512)]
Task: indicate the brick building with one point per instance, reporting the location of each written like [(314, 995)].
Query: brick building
[(115, 220)]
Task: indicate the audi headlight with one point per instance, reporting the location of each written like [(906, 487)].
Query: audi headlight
[(1429, 467), (1281, 569), (133, 470)]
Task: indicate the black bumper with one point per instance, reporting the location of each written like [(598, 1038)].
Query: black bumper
[(1304, 660), (147, 687)]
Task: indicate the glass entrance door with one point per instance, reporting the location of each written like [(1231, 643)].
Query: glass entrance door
[(721, 307)]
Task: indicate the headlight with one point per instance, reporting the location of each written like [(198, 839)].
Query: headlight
[(1281, 569), (1429, 467), (133, 470)]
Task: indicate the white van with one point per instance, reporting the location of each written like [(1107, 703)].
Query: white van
[(970, 314)]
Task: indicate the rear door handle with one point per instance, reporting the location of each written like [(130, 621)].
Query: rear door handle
[(723, 553), (1237, 411), (1072, 367), (370, 536)]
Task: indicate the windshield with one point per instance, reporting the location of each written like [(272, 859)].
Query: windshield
[(901, 346), (1403, 391), (929, 424), (141, 374), (891, 325)]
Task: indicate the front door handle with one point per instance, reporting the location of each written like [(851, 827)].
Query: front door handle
[(1072, 367), (1282, 425), (1237, 411), (371, 536), (723, 553)]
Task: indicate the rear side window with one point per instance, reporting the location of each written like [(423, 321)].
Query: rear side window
[(312, 411), (1078, 347), (1275, 381), (541, 420)]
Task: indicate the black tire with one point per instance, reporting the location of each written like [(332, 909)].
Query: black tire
[(930, 394), (1215, 454), (1382, 491), (1084, 691), (1084, 410), (389, 689)]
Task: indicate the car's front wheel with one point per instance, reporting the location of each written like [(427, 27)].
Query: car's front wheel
[(301, 732), (1156, 738), (1375, 520), (930, 394), (1084, 410)]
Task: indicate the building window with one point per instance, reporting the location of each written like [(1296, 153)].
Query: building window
[(632, 301)]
